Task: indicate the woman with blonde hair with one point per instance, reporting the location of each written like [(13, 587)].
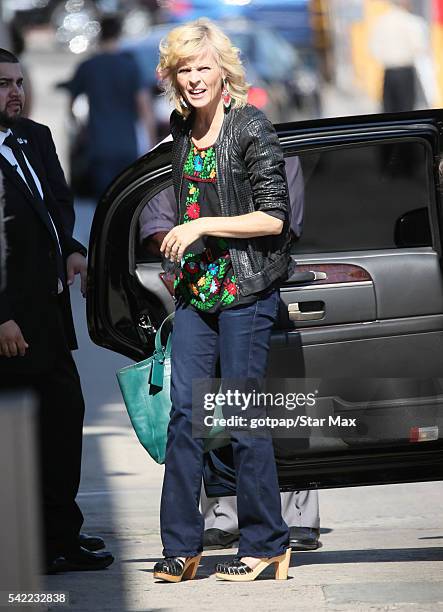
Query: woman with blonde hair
[(231, 250)]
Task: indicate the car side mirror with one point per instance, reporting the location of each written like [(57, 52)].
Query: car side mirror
[(413, 229)]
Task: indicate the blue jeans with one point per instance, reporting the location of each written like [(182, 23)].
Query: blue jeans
[(241, 337)]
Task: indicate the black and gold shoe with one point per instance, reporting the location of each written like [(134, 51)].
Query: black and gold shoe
[(237, 571), (173, 569)]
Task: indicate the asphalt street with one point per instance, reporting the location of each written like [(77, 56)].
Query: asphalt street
[(382, 546)]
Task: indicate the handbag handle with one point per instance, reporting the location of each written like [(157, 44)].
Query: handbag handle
[(158, 337)]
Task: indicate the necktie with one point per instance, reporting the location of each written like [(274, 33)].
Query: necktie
[(11, 142)]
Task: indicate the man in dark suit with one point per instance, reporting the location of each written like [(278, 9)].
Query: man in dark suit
[(36, 327)]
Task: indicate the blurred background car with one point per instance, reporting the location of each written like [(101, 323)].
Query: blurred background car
[(277, 75), (281, 86), (186, 10), (305, 24), (290, 18)]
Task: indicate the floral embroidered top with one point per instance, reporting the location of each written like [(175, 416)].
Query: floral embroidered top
[(206, 279)]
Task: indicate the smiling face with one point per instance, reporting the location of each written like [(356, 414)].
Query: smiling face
[(199, 80), (12, 96)]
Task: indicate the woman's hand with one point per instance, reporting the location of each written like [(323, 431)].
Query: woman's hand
[(179, 238)]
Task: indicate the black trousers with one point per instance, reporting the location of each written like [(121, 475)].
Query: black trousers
[(399, 89), (59, 430)]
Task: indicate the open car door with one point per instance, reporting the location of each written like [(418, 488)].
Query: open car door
[(363, 317)]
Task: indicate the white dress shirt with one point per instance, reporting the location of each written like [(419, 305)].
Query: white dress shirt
[(10, 157)]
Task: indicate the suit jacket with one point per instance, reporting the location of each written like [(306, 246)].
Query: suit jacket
[(30, 297)]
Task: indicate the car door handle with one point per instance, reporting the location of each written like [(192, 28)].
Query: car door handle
[(305, 276), (304, 314)]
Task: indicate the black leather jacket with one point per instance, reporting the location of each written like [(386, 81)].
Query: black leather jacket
[(250, 176)]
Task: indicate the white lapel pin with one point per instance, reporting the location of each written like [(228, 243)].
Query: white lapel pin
[(22, 140)]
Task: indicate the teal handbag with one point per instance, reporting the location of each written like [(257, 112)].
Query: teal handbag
[(145, 387)]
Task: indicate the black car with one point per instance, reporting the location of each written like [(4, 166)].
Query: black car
[(362, 316)]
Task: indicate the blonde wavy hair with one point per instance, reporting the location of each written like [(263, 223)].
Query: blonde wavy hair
[(191, 39)]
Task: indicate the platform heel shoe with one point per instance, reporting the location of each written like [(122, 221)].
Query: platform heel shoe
[(173, 569), (236, 571)]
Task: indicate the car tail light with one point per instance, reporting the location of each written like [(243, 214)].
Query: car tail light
[(257, 96), (423, 434)]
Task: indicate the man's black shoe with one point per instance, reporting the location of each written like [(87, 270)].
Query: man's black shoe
[(215, 539), (79, 560), (91, 543), (55, 565), (304, 538)]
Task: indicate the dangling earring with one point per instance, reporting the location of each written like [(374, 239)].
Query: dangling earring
[(226, 96), (182, 102)]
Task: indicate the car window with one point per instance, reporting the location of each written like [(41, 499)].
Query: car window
[(243, 41), (355, 197), (340, 200), (274, 56)]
